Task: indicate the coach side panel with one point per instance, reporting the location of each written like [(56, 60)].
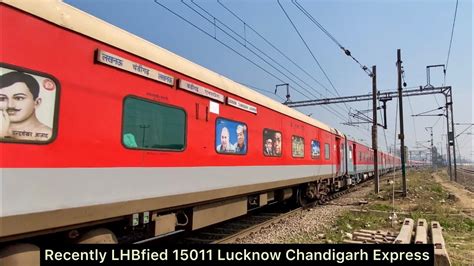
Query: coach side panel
[(87, 169)]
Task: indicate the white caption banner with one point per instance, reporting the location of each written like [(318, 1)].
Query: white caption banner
[(241, 105), (133, 67), (191, 87)]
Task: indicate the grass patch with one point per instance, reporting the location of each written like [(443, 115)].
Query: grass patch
[(350, 222), (436, 188), (381, 207), (426, 199)]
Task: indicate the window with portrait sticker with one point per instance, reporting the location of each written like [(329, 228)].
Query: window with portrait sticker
[(28, 105), (272, 143), (315, 149), (153, 126), (231, 137), (297, 146)]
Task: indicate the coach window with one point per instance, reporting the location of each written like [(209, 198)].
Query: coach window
[(271, 143), (153, 126), (297, 146), (326, 151), (231, 137), (315, 149), (29, 105)]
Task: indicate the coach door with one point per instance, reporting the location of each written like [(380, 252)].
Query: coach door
[(342, 152), (354, 158), (350, 158), (339, 156)]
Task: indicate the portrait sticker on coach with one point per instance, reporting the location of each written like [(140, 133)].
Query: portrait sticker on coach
[(27, 106), (231, 136), (271, 143), (297, 146), (315, 149)]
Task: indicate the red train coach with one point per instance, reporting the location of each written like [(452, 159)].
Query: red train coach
[(104, 133)]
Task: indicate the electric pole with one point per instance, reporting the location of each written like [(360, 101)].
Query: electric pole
[(401, 136), (374, 128), (432, 153), (448, 143), (454, 145)]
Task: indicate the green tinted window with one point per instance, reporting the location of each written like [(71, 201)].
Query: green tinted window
[(149, 125)]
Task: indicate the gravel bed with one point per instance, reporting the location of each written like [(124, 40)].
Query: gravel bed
[(304, 226)]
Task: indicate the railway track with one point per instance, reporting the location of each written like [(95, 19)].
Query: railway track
[(235, 229), (228, 231), (466, 177), (253, 223), (466, 170), (257, 227)]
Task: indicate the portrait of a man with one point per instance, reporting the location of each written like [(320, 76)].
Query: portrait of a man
[(19, 102)]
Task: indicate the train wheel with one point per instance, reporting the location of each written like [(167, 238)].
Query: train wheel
[(98, 236), (300, 197), (20, 255), (324, 199)]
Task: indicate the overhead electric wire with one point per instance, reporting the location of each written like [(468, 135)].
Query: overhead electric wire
[(463, 131), (272, 45), (302, 9), (232, 49), (255, 47), (429, 111), (451, 40), (437, 121), (396, 126), (262, 90), (443, 128), (459, 149), (307, 47), (466, 138), (243, 56), (346, 51), (328, 108), (404, 85), (384, 134), (278, 50), (368, 104), (246, 47), (462, 145), (414, 124)]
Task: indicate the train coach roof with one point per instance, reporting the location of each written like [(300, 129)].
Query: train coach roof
[(76, 20)]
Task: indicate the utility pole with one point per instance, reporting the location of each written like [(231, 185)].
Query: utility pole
[(401, 136), (387, 95), (454, 145), (440, 144), (432, 153), (448, 147), (451, 138), (374, 128)]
